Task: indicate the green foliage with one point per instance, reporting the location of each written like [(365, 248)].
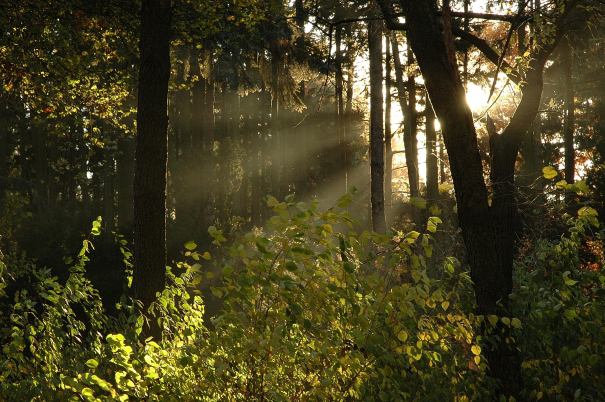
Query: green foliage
[(310, 310), (564, 309)]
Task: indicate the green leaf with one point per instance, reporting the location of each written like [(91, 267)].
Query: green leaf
[(432, 223), (587, 212), (92, 363), (493, 319), (476, 349), (549, 172), (190, 245), (515, 323), (87, 393), (402, 335)]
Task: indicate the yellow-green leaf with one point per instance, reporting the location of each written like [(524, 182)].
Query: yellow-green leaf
[(549, 172)]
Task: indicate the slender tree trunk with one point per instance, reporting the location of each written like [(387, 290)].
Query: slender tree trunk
[(432, 172), (40, 162), (151, 155), (411, 130), (109, 195), (278, 159), (442, 178), (299, 17), (408, 107), (388, 134), (339, 109), (124, 183), (376, 127), (5, 152), (569, 120)]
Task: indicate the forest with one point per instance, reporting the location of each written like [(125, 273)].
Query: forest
[(302, 200)]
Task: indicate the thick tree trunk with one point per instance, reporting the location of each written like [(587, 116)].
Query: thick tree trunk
[(435, 53), (376, 127), (488, 232), (151, 155)]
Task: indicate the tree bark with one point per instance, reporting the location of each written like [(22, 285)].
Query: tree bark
[(408, 107), (434, 50), (569, 119), (376, 127), (339, 108), (388, 134), (411, 130), (488, 232), (124, 183), (151, 155), (432, 168)]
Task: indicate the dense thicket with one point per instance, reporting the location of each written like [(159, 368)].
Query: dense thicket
[(378, 200)]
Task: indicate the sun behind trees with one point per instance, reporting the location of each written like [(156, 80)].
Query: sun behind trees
[(295, 200)]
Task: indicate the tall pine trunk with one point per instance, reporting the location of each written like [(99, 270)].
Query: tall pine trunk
[(569, 119), (151, 155), (388, 134), (432, 167), (411, 130), (376, 127)]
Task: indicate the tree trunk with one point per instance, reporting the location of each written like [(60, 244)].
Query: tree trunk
[(569, 119), (151, 155), (488, 232), (432, 172), (108, 195), (434, 49), (125, 182), (408, 107), (411, 130), (278, 160), (376, 127), (388, 134), (339, 109)]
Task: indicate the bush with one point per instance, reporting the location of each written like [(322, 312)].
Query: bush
[(310, 310)]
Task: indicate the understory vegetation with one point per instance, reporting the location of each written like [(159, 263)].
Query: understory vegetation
[(309, 309), (302, 200)]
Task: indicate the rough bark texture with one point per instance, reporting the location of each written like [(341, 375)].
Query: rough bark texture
[(151, 154), (376, 127)]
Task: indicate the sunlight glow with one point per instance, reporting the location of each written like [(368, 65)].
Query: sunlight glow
[(476, 97)]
